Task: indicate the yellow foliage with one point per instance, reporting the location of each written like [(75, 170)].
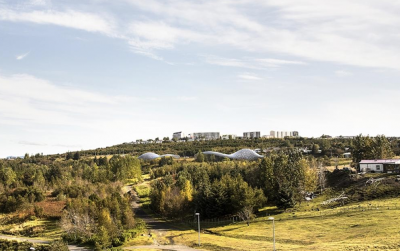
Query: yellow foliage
[(187, 191), (104, 217), (310, 179)]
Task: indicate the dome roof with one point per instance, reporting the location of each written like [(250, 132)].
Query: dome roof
[(244, 154), (151, 156)]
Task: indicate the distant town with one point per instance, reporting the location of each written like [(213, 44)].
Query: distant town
[(199, 136), (184, 137)]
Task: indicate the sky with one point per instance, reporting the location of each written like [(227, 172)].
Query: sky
[(86, 74)]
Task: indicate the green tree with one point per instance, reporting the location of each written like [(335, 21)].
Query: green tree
[(365, 147), (199, 157), (315, 149), (69, 156), (8, 176), (77, 156), (102, 239)]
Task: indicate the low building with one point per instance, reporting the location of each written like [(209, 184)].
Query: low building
[(380, 166), (251, 135), (228, 136), (267, 136), (294, 134), (206, 135)]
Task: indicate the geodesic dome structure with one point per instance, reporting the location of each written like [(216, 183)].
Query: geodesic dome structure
[(244, 154), (151, 156)]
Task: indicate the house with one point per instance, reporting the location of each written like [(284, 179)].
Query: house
[(380, 166)]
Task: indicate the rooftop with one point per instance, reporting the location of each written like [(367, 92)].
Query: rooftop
[(379, 161)]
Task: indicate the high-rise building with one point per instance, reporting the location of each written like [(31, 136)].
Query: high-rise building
[(178, 135), (251, 135), (283, 134)]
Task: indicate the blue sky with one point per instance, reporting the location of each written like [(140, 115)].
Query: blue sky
[(86, 74)]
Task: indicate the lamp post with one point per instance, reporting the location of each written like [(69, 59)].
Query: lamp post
[(273, 230), (198, 223)]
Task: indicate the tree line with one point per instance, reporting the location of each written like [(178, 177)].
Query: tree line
[(96, 211), (217, 189)]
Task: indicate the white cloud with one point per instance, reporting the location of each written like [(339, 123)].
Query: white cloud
[(31, 143), (26, 99), (341, 73), (272, 62), (22, 56), (251, 63), (147, 37), (37, 115), (344, 32), (358, 33), (39, 2), (187, 98), (249, 76), (232, 62), (70, 18)]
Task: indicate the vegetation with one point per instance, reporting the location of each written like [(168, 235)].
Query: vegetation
[(328, 147), (218, 189), (368, 226), (17, 246), (86, 192), (83, 194)]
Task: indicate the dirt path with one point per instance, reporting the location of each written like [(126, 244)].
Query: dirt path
[(155, 228)]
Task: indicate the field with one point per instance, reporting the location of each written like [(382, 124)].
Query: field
[(371, 225)]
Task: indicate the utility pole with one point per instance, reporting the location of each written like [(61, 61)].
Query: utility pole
[(273, 231), (198, 223)]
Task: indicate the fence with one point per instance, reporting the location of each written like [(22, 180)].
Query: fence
[(210, 223)]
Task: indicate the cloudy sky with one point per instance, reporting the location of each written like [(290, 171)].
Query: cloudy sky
[(85, 74)]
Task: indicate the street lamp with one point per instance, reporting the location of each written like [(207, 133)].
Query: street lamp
[(198, 222), (273, 230)]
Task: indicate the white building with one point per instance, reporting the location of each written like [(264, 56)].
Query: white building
[(267, 136), (178, 135), (380, 165), (251, 135), (283, 134), (206, 135), (228, 136)]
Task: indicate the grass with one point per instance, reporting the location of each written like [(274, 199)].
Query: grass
[(348, 228), (39, 228), (341, 162), (143, 190)]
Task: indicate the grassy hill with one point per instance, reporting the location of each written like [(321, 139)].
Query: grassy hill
[(372, 225), (363, 223)]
